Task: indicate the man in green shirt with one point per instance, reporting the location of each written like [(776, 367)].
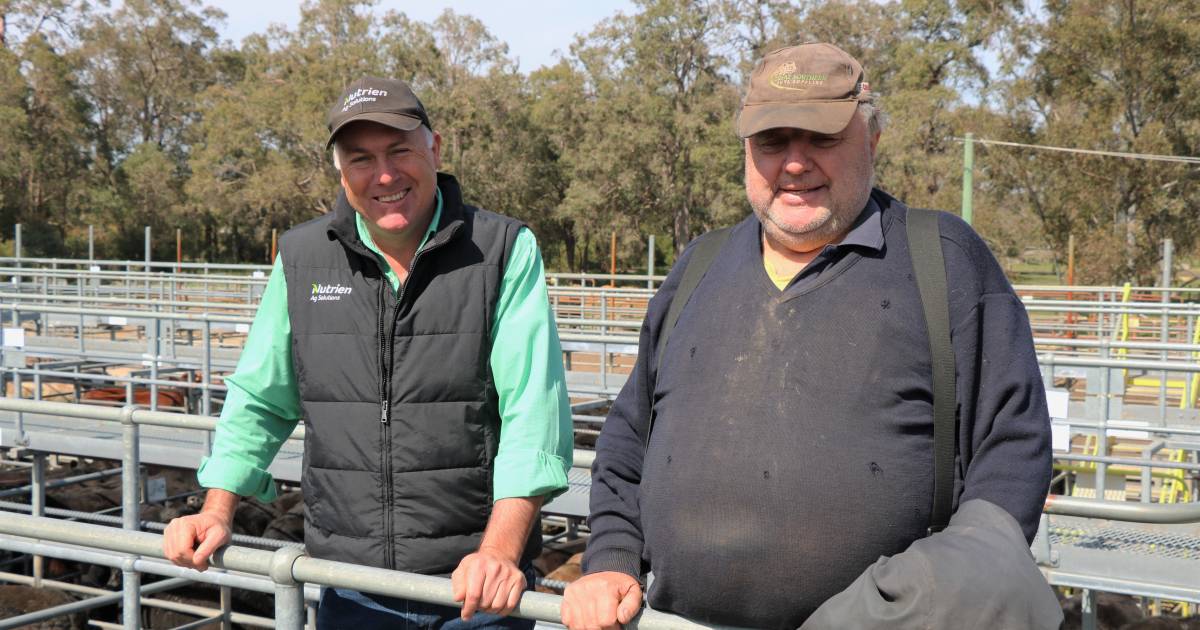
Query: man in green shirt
[(413, 335)]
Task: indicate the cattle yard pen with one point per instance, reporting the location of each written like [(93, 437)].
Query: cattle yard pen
[(96, 353)]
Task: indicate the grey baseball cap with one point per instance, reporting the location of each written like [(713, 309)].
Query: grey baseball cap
[(385, 101)]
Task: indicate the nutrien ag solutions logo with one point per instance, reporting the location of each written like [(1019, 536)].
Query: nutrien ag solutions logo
[(362, 95), (327, 292), (785, 77)]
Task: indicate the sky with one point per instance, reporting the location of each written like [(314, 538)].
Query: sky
[(533, 29)]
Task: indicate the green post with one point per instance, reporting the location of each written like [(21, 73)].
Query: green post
[(968, 173)]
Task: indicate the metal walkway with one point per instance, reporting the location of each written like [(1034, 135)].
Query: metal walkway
[(1156, 561)]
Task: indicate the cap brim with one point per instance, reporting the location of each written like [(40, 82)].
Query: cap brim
[(395, 121), (821, 117)]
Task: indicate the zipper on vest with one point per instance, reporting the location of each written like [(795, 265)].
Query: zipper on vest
[(385, 448), (386, 348)]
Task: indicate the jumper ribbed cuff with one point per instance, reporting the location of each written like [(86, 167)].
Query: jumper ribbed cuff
[(619, 560)]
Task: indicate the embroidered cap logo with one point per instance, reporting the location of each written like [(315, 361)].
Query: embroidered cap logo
[(785, 77), (362, 95)]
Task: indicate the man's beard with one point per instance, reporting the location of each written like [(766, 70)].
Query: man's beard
[(829, 226)]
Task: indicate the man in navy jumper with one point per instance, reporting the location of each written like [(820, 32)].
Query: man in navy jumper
[(788, 479)]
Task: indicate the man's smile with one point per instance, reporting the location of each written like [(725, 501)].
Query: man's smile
[(394, 197)]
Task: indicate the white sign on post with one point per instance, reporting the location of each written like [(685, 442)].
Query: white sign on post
[(94, 268), (1057, 402), (257, 274), (14, 337)]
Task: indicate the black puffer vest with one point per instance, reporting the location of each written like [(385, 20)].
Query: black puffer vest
[(399, 402)]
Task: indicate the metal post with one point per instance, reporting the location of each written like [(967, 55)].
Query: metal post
[(146, 289), (289, 594), (1164, 326), (79, 290), (1088, 608), (968, 176), (155, 353), (17, 255), (91, 242), (131, 591), (37, 504), (1102, 428), (18, 386), (130, 511), (603, 344), (650, 263), (206, 393), (1146, 481), (131, 461), (1187, 382), (226, 608)]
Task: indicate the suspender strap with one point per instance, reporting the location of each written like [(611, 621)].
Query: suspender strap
[(924, 244), (705, 250), (703, 253)]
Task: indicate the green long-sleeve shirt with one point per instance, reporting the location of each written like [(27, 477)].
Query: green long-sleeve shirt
[(262, 406)]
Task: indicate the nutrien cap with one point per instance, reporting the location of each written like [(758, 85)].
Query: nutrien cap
[(385, 101), (811, 86)]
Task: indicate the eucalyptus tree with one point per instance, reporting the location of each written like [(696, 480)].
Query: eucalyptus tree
[(1121, 77), (659, 148)]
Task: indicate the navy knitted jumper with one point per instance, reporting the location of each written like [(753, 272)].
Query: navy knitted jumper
[(792, 440)]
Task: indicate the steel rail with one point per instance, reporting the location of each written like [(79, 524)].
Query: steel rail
[(289, 566), (1123, 510), (190, 609), (1100, 289), (1104, 343), (582, 458), (1119, 308), (86, 604), (136, 263), (1156, 306), (112, 378), (194, 317), (1122, 461), (106, 519), (598, 338), (156, 566), (73, 297), (1050, 358), (1164, 429)]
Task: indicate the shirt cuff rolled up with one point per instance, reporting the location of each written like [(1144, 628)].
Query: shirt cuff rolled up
[(528, 473), (237, 477)]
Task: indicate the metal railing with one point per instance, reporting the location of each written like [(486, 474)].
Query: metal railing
[(288, 569)]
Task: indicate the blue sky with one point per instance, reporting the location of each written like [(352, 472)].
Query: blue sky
[(533, 29)]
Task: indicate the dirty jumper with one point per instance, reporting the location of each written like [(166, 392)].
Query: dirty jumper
[(792, 435)]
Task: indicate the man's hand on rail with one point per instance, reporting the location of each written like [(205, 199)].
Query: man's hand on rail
[(601, 601), (189, 541), (487, 582)]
